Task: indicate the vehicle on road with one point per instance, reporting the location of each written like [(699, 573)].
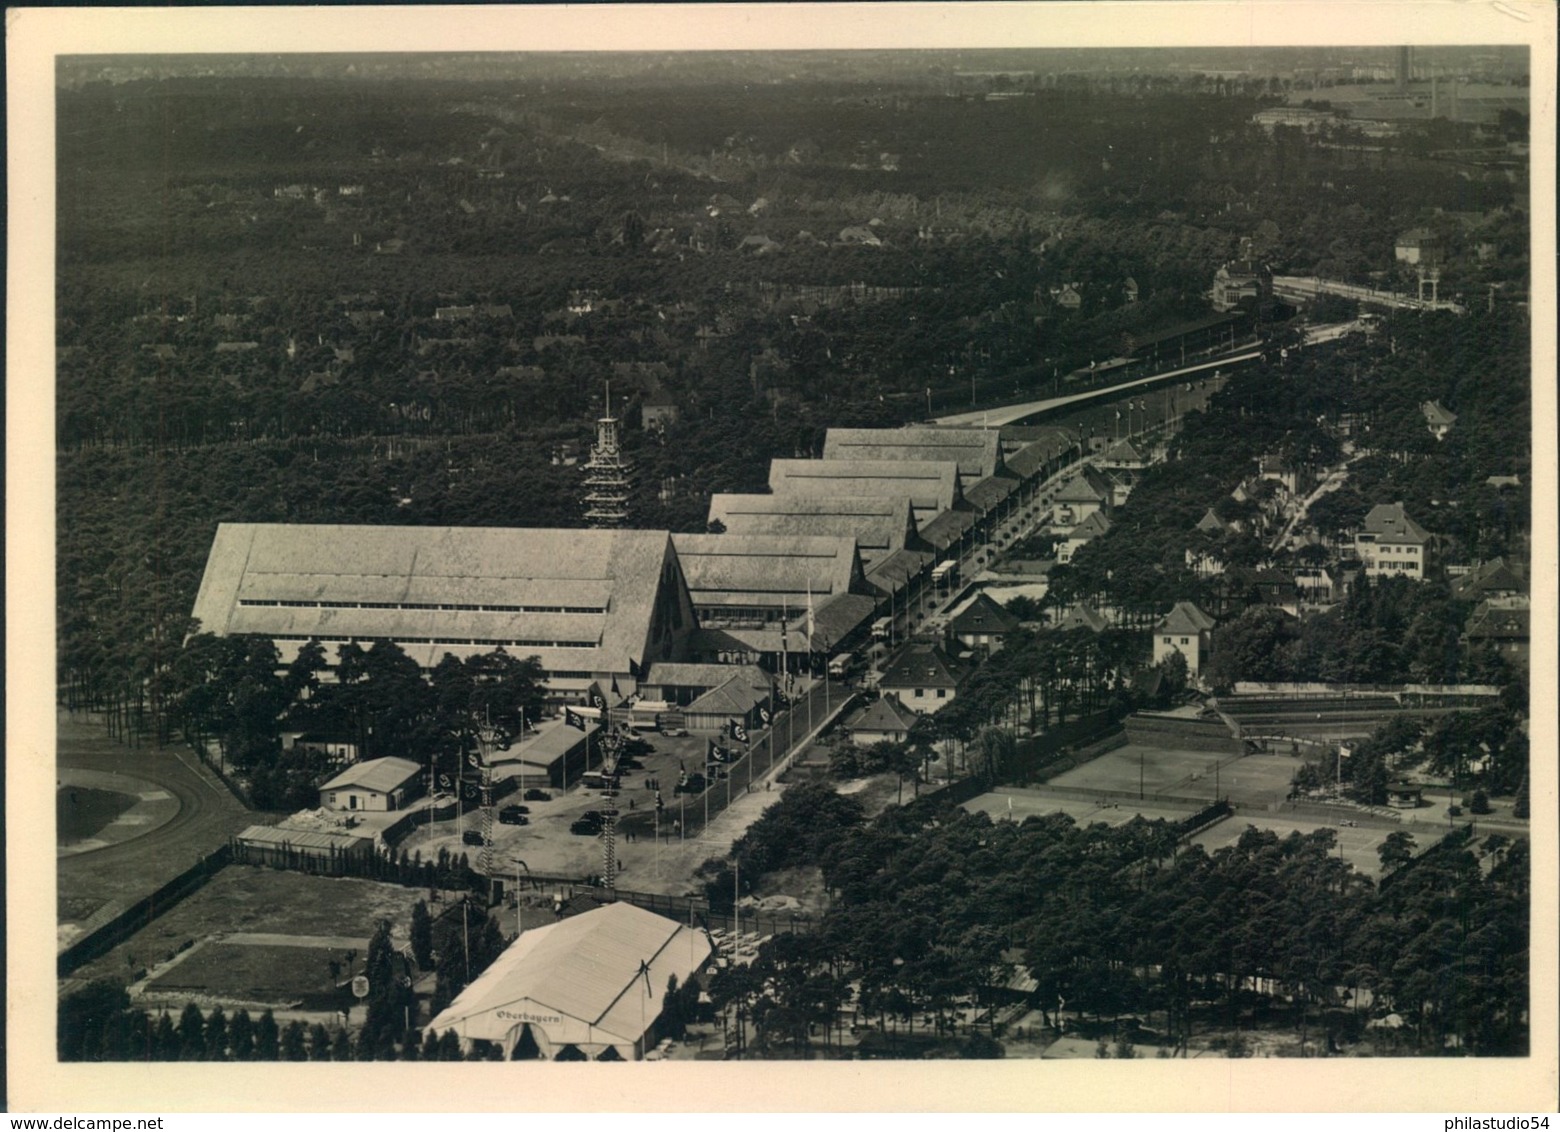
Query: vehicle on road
[(674, 732), (514, 815), (472, 837), (534, 795), (586, 826)]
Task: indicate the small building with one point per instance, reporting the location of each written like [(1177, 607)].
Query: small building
[(1438, 419), (1080, 536), (1125, 455), (1418, 247), (742, 698), (1083, 617), (378, 784), (555, 755), (1391, 544), (311, 851), (682, 684), (1242, 283), (337, 748), (1405, 795), (589, 987), (883, 720), (923, 677), (982, 624), (1088, 492), (1067, 297), (1502, 625), (1492, 579), (1186, 630)]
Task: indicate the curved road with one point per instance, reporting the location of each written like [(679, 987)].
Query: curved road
[(93, 885)]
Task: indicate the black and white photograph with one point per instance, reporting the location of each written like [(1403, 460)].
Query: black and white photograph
[(801, 547)]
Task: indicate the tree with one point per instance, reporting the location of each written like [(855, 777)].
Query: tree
[(216, 1035), (192, 1034), (84, 1013), (422, 935), (267, 1038), (293, 1047), (241, 1036), (1396, 850)]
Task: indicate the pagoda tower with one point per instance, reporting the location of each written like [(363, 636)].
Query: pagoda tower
[(607, 482)]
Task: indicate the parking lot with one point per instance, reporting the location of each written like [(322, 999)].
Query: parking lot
[(547, 845)]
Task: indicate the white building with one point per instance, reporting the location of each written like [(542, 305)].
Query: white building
[(1390, 543), (591, 985)]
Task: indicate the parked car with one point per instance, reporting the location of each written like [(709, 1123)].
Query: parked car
[(585, 827), (675, 732), (472, 837), (514, 815), (535, 795)]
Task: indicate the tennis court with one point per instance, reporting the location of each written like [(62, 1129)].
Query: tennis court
[(1193, 775), (1359, 844)]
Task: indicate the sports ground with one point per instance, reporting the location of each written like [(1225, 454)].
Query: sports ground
[(1357, 845), (1190, 775)]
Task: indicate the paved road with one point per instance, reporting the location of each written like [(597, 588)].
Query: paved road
[(1011, 414), (94, 884)]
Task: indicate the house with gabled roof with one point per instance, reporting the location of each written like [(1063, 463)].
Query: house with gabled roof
[(1086, 493), (1501, 624), (1492, 579), (1083, 617), (1438, 418), (1390, 544), (923, 677), (1186, 630), (883, 720), (375, 785), (1081, 535), (982, 623), (1125, 455)]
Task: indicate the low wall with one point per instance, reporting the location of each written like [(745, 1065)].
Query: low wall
[(115, 931)]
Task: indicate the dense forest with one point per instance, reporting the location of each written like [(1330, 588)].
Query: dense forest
[(350, 300), (931, 905)]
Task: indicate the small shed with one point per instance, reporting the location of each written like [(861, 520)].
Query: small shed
[(378, 784), (1405, 795)]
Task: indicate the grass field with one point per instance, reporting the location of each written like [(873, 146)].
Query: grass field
[(260, 972), (1255, 779), (243, 898)]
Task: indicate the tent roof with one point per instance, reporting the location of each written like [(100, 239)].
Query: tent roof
[(587, 967), (977, 451)]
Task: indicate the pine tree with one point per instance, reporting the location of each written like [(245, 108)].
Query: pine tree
[(449, 1047), (192, 1034), (266, 1038), (165, 1039), (293, 1047), (319, 1043), (241, 1036), (422, 935), (216, 1035), (341, 1047)]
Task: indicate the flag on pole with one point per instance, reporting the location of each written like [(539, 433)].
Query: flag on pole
[(738, 732), (473, 759), (571, 719)]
